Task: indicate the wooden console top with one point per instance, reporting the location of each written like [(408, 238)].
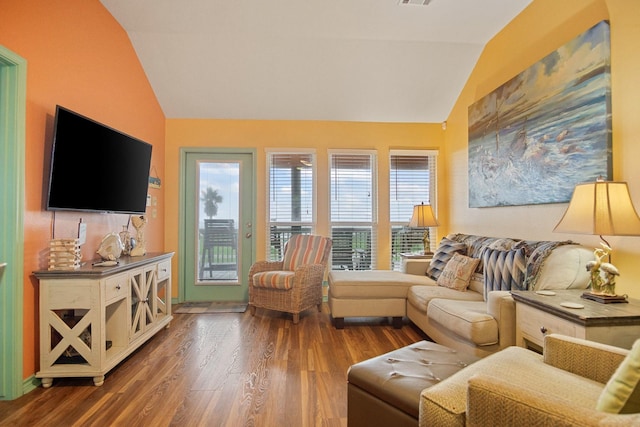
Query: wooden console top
[(88, 270)]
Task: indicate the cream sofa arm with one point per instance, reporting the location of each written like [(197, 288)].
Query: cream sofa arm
[(495, 402), (502, 307), (416, 267), (588, 359)]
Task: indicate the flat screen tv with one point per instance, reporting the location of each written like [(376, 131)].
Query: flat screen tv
[(96, 168)]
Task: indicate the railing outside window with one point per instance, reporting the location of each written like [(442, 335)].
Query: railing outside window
[(291, 198), (412, 181), (353, 210)]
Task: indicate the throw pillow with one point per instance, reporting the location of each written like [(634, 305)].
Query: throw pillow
[(503, 270), (621, 395), (458, 272), (442, 255)]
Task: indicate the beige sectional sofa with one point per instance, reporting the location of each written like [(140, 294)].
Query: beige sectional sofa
[(479, 318)]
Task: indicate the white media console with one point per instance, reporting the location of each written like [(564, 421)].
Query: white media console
[(92, 318)]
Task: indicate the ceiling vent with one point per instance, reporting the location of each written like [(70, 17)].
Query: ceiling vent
[(416, 2)]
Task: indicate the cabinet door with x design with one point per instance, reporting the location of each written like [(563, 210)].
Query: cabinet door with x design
[(143, 283)]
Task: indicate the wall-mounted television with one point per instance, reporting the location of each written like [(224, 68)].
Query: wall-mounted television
[(96, 168)]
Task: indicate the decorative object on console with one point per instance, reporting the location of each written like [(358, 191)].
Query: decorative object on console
[(601, 207), (110, 247), (423, 217), (64, 254), (125, 238), (138, 223)]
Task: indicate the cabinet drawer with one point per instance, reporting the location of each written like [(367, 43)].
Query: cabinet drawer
[(535, 324), (164, 269), (116, 287)]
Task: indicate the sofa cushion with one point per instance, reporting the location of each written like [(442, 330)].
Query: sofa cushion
[(303, 249), (420, 296), (468, 319), (621, 395), (442, 255), (504, 270), (458, 272), (374, 284), (564, 268), (476, 283), (274, 279)]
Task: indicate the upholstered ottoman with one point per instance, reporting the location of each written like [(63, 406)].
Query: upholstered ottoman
[(385, 390), (372, 293)]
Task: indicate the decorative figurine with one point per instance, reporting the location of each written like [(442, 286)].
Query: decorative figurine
[(138, 223), (602, 284), (110, 248)]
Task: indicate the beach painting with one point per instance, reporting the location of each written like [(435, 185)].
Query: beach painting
[(549, 128)]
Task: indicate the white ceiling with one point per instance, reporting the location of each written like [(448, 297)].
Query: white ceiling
[(346, 60)]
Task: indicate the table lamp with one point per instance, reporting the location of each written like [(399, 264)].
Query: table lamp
[(601, 208), (423, 218)]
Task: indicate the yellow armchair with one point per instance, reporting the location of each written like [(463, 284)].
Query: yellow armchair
[(545, 401)]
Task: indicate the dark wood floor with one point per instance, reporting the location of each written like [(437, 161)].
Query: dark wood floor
[(221, 370)]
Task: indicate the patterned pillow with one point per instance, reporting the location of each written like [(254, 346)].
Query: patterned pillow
[(442, 255), (504, 270), (458, 272), (621, 395)]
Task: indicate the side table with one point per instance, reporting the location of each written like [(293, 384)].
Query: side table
[(538, 314)]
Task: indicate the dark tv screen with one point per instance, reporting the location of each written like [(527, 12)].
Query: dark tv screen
[(96, 168)]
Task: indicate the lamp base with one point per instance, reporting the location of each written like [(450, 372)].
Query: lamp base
[(604, 299)]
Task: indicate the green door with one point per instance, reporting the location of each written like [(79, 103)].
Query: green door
[(218, 224)]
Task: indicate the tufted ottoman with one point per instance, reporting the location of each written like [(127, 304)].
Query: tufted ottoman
[(385, 390)]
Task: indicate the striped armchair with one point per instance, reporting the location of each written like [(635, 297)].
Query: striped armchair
[(293, 284)]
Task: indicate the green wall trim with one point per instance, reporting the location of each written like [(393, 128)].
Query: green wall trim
[(13, 85), (30, 384)]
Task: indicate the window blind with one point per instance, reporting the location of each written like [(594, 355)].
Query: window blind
[(412, 176), (290, 198), (353, 215)]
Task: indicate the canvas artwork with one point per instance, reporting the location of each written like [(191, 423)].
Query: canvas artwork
[(549, 128)]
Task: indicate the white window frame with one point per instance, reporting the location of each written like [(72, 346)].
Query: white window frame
[(432, 198), (371, 261), (270, 152)]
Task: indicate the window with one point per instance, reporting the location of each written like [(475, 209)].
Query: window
[(412, 179), (291, 199), (353, 210)]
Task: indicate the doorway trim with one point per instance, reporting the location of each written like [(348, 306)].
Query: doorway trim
[(182, 216), (13, 84)]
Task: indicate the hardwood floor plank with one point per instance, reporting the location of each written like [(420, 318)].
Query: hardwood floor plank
[(227, 369)]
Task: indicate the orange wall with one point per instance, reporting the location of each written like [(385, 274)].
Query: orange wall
[(77, 56), (540, 29), (320, 135)]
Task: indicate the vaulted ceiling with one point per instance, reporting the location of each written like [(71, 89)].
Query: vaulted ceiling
[(345, 60)]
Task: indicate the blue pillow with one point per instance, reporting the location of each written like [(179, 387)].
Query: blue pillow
[(504, 270), (442, 255)]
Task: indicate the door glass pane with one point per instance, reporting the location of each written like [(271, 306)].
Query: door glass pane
[(218, 213)]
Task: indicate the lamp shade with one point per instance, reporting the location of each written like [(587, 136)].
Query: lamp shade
[(601, 208), (422, 216)]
